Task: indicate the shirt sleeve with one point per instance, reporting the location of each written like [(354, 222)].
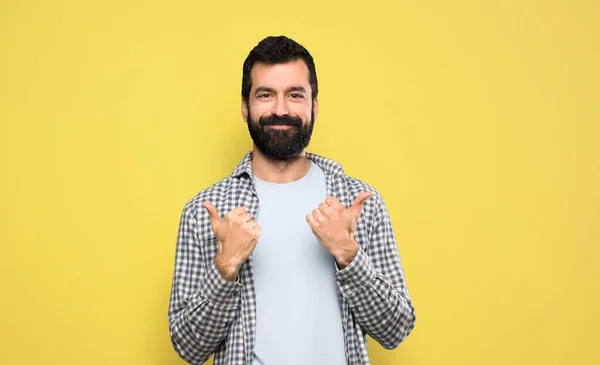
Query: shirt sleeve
[(203, 304), (375, 287)]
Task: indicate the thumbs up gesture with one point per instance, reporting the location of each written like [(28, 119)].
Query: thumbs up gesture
[(237, 235), (334, 227)]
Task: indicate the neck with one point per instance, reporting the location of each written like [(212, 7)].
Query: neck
[(279, 171)]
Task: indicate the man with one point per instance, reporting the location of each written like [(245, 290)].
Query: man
[(287, 260)]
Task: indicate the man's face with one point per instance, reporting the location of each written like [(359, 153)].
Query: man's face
[(280, 112)]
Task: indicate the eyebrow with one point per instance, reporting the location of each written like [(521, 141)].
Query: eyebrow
[(290, 89)]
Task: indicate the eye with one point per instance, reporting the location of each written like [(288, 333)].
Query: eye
[(263, 95), (296, 96)]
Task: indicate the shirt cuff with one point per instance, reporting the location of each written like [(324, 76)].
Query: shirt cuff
[(354, 277), (220, 291)]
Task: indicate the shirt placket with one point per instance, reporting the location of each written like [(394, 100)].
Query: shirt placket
[(333, 189), (249, 200)]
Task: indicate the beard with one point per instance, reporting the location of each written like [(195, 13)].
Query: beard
[(280, 144)]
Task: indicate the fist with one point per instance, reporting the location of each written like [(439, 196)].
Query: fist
[(237, 234), (333, 225)]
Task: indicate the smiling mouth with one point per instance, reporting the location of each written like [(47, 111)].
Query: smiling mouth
[(279, 126)]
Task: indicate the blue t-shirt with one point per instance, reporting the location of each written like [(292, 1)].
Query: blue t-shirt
[(298, 318)]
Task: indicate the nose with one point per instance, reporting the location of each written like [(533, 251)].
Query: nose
[(281, 108)]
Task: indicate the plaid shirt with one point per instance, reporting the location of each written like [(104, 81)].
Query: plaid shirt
[(208, 314)]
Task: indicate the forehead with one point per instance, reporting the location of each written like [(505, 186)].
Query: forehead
[(280, 74)]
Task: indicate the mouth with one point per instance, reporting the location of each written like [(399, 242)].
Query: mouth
[(279, 126)]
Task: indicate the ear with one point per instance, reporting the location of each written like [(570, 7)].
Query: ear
[(315, 107), (244, 110)]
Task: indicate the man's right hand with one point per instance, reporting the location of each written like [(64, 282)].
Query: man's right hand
[(237, 235)]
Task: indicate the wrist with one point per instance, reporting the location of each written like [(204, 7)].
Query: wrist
[(346, 254), (226, 266)]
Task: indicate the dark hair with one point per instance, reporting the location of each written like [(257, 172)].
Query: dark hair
[(273, 50)]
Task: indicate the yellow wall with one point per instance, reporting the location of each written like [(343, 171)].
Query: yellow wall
[(478, 121)]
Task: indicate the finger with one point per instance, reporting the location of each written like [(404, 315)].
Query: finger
[(335, 204), (236, 212), (325, 209), (311, 221), (245, 217), (358, 203), (212, 212), (319, 217), (251, 224), (248, 226)]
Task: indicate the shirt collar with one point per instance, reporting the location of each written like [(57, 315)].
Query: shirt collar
[(328, 166)]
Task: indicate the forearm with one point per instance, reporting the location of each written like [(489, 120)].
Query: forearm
[(203, 323), (383, 310)]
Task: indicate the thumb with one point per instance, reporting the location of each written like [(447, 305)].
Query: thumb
[(215, 218), (358, 203)]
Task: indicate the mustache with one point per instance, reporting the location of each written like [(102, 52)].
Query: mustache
[(280, 120)]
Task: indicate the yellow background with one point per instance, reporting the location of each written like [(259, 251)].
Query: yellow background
[(478, 121)]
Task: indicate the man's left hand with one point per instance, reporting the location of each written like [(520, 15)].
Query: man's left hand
[(334, 227)]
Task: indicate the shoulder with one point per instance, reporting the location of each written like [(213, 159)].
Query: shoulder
[(347, 188), (374, 206), (356, 186), (212, 194)]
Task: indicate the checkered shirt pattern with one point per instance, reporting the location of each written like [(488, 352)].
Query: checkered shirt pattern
[(208, 314)]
